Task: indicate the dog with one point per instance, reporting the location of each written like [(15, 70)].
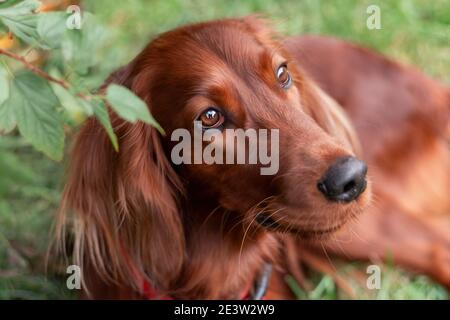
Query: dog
[(362, 151)]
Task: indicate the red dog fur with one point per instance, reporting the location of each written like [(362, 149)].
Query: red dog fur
[(189, 230), (401, 118)]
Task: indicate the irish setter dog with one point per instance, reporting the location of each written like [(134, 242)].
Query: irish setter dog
[(363, 167)]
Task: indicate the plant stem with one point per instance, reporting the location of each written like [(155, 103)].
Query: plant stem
[(40, 72), (33, 68)]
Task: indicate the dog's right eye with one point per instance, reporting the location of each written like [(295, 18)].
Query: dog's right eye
[(284, 77), (211, 118)]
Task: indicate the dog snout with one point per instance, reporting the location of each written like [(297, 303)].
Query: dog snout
[(344, 180)]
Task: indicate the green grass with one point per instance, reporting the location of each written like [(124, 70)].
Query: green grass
[(395, 284), (413, 31), (29, 196)]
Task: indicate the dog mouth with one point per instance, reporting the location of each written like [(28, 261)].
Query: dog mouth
[(270, 224)]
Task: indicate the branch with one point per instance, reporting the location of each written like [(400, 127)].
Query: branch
[(33, 68)]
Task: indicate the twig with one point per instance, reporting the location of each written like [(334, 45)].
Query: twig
[(33, 68), (41, 73)]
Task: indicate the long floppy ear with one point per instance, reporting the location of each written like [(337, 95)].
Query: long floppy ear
[(126, 219), (329, 115)]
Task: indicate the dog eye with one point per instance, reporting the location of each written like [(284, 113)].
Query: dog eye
[(211, 118), (283, 76)]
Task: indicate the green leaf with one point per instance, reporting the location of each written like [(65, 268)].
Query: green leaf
[(81, 48), (87, 107), (46, 30), (25, 28), (22, 8), (35, 108), (7, 118), (4, 84), (101, 113), (51, 28), (129, 106), (76, 109)]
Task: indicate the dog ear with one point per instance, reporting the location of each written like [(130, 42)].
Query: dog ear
[(126, 221)]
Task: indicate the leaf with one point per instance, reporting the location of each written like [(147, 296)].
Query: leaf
[(81, 47), (51, 28), (76, 109), (22, 8), (101, 113), (7, 119), (130, 107), (35, 110), (25, 28), (87, 107), (4, 84), (45, 30)]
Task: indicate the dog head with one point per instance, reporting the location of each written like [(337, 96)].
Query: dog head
[(209, 80)]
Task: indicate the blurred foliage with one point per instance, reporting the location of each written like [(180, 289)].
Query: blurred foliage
[(413, 31), (39, 104), (395, 284), (29, 194)]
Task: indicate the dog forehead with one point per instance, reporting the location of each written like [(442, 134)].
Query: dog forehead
[(231, 43), (211, 59), (207, 46)]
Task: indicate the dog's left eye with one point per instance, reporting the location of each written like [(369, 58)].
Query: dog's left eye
[(283, 76), (211, 118)]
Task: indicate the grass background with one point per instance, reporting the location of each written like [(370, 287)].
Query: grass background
[(415, 32)]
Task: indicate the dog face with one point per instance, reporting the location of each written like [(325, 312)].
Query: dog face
[(230, 75)]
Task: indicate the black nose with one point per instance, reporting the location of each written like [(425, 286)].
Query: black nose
[(344, 180)]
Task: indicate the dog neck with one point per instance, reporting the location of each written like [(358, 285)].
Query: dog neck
[(224, 255)]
